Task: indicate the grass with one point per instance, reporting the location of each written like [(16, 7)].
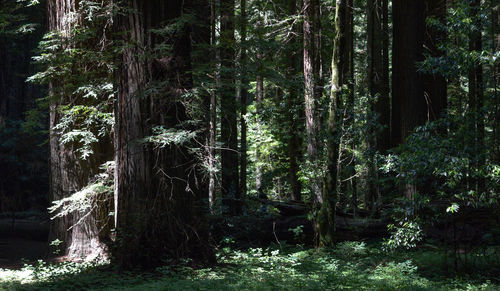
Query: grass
[(349, 266)]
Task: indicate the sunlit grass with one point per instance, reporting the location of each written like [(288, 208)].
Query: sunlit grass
[(349, 266)]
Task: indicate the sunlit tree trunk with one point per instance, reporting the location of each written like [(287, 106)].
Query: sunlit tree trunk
[(69, 173), (212, 162), (159, 194)]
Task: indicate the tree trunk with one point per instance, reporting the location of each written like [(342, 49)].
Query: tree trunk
[(378, 87), (293, 102), (435, 85), (476, 96), (243, 96), (326, 216), (259, 96), (311, 73), (378, 68), (159, 195), (69, 173), (408, 105), (495, 38), (229, 157), (212, 160)]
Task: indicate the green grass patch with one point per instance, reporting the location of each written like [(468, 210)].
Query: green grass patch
[(349, 266)]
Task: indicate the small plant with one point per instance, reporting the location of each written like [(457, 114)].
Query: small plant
[(406, 235), (298, 232), (56, 243)]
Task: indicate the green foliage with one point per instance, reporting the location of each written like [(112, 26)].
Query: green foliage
[(406, 235), (83, 57), (88, 199), (163, 137), (350, 265)]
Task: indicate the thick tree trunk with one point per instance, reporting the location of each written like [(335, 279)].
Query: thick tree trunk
[(408, 105), (69, 173), (435, 86), (159, 197), (311, 82), (378, 68), (417, 97), (229, 157)]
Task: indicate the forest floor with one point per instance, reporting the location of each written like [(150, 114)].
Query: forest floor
[(349, 266)]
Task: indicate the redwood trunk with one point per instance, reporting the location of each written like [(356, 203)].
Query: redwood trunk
[(159, 194), (69, 173), (311, 82)]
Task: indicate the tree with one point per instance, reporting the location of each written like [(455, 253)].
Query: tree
[(435, 85), (75, 153), (417, 97), (229, 134), (378, 70), (312, 92), (408, 105), (159, 194), (378, 87), (295, 139), (326, 216), (476, 93), (243, 96)]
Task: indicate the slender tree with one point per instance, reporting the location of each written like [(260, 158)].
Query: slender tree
[(326, 217), (213, 113), (231, 191), (295, 139), (348, 162), (311, 82), (476, 93), (243, 96), (378, 87), (495, 39)]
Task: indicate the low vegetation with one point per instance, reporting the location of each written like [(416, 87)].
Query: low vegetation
[(348, 266)]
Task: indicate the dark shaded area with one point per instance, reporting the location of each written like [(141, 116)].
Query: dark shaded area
[(23, 151), (15, 252)]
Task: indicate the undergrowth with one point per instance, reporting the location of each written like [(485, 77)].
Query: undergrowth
[(349, 266)]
